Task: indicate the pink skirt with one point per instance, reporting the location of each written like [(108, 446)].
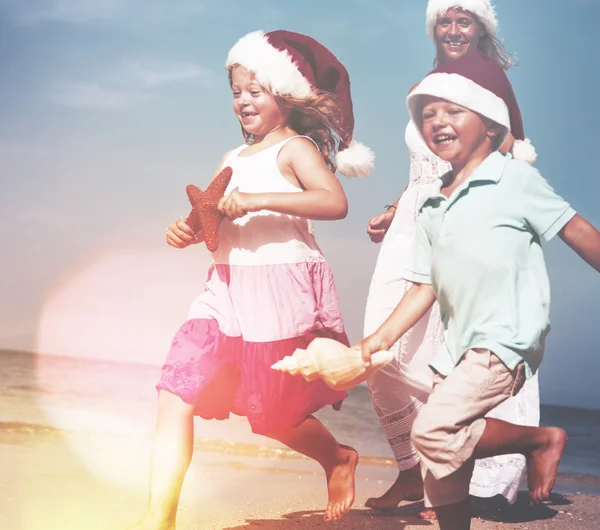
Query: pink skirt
[(221, 375)]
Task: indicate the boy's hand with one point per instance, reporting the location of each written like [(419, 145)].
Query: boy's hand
[(372, 344), (180, 235), (237, 204)]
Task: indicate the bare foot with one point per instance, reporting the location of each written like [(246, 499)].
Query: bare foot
[(151, 523), (408, 487), (146, 525), (340, 484), (428, 514), (542, 463)]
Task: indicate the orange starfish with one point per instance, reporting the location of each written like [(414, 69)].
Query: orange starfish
[(205, 217)]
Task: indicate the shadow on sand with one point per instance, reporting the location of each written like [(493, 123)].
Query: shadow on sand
[(498, 510), (495, 509), (353, 520)]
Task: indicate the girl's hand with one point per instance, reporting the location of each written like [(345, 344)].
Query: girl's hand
[(180, 235), (379, 225), (237, 204)]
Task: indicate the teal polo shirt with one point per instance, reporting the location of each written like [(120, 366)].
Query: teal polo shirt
[(480, 249)]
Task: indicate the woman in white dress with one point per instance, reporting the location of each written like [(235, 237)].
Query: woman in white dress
[(455, 26)]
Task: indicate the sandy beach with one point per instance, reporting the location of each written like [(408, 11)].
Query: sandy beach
[(49, 482)]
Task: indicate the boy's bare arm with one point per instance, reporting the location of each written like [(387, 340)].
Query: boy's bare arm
[(583, 238), (413, 306)]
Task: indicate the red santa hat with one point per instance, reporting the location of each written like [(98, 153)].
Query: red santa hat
[(481, 85), (482, 9), (292, 64)]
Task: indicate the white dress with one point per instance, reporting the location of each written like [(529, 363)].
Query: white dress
[(397, 403)]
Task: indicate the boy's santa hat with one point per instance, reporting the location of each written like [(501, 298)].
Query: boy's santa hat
[(482, 9), (479, 84), (292, 64)]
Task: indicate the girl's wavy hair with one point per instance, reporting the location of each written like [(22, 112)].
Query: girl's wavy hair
[(319, 117), (491, 47)]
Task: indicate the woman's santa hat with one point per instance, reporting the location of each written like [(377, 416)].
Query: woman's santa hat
[(482, 9), (292, 64), (479, 84)]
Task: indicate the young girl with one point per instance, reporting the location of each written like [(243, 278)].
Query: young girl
[(269, 289)]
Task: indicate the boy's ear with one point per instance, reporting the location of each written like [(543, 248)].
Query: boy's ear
[(495, 129)]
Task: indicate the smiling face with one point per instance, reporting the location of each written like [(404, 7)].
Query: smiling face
[(456, 134), (259, 112), (456, 32)]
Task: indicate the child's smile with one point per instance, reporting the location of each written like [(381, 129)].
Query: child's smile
[(257, 109), (446, 146), (247, 117), (454, 133), (444, 139)]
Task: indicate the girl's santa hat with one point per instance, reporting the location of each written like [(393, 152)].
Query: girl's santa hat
[(482, 9), (292, 64), (479, 84)]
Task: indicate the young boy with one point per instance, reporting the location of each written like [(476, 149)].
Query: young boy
[(479, 253)]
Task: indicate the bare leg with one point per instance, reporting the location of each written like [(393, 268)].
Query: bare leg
[(454, 516), (311, 438), (541, 446), (171, 456), (396, 409)]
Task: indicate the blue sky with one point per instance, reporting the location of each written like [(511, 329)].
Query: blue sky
[(110, 107)]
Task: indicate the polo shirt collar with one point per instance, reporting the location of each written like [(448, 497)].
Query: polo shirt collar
[(490, 170)]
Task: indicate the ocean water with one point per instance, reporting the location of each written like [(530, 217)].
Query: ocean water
[(66, 394)]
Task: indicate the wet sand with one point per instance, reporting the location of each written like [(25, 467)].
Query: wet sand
[(78, 481)]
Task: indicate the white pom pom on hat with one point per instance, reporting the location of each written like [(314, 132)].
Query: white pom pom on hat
[(357, 160), (524, 150)]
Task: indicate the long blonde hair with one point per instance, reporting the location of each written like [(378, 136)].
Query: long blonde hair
[(491, 47), (319, 117)]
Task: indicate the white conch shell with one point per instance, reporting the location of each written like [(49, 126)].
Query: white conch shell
[(339, 366)]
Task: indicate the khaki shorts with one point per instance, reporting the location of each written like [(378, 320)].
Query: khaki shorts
[(449, 426)]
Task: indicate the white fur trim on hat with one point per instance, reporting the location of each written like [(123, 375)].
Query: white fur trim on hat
[(357, 160), (483, 9), (273, 68), (462, 91), (524, 150)]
